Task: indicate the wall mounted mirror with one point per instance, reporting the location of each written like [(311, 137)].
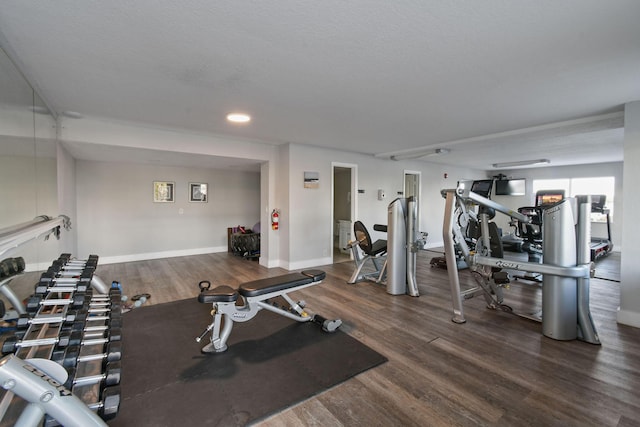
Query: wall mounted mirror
[(28, 178)]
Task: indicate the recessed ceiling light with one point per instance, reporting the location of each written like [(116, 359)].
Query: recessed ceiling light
[(238, 117)]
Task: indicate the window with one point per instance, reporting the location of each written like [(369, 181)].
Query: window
[(582, 186), (552, 184)]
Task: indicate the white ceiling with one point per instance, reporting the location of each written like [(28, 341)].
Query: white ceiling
[(493, 80)]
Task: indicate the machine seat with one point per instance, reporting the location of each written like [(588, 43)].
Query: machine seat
[(364, 240), (378, 247), (280, 283), (219, 294)]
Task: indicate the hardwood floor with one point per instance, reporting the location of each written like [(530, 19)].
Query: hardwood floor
[(497, 369)]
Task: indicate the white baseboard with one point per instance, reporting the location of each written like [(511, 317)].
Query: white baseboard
[(157, 255), (269, 263), (434, 245), (310, 263), (629, 318)]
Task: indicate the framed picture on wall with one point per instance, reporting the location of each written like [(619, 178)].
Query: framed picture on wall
[(198, 192), (311, 180), (163, 191)]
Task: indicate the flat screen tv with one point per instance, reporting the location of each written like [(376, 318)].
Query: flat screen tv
[(510, 187)]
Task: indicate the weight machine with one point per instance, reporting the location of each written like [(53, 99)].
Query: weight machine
[(394, 259), (566, 268), (404, 240)]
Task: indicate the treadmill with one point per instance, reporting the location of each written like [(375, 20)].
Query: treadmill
[(600, 246)]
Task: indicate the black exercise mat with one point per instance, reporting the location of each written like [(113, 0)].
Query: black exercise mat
[(272, 363)]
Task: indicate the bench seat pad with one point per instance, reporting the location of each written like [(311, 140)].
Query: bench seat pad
[(280, 283), (218, 294)]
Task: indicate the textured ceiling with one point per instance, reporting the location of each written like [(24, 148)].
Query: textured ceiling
[(494, 80)]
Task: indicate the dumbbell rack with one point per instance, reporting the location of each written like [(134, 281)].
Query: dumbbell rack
[(81, 331)]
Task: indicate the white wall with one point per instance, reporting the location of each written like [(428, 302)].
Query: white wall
[(108, 132), (18, 191), (269, 256), (47, 204), (304, 238), (66, 174), (118, 220), (282, 236), (310, 213), (629, 311)]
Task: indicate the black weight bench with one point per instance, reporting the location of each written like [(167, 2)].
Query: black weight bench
[(254, 296)]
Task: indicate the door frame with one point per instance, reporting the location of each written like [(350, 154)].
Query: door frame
[(418, 174), (354, 193)]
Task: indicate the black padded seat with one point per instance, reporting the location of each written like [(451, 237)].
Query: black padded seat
[(378, 247), (219, 294), (274, 284), (497, 250), (362, 236)]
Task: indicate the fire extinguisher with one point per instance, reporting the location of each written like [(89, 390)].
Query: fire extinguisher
[(275, 217)]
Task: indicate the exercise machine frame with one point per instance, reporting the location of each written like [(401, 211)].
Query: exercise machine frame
[(404, 241), (39, 382), (360, 258), (395, 267), (566, 268)]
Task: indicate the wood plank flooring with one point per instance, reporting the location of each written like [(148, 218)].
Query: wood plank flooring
[(497, 369)]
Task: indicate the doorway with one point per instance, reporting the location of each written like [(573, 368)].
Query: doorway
[(343, 210)]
